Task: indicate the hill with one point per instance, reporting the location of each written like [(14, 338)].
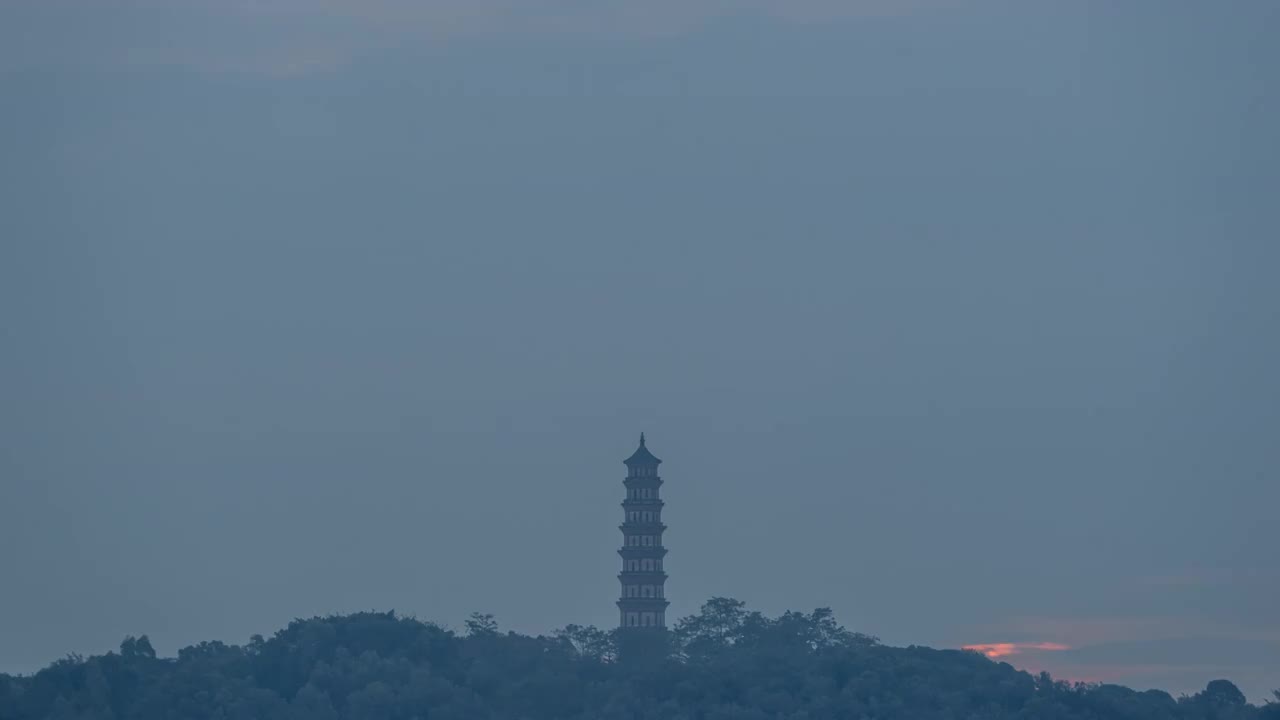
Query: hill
[(723, 663)]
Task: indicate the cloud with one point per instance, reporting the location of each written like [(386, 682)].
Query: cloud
[(1007, 649), (1081, 632), (1175, 653)]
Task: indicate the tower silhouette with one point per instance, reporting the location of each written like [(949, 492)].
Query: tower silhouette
[(643, 602)]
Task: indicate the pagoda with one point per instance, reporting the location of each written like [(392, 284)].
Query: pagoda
[(643, 602)]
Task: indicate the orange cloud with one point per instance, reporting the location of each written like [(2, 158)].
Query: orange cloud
[(999, 650)]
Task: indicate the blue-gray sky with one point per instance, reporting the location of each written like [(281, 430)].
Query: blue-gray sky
[(957, 318)]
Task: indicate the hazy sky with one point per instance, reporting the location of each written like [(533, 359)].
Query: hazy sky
[(958, 318)]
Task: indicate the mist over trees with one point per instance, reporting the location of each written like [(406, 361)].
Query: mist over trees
[(724, 662)]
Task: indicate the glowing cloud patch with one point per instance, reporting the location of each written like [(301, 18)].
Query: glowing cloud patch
[(999, 650)]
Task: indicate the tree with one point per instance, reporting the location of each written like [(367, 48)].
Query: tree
[(730, 662), (1271, 711), (589, 642), (482, 624), (1223, 692), (139, 647), (718, 624)]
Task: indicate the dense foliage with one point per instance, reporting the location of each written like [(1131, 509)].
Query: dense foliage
[(723, 663)]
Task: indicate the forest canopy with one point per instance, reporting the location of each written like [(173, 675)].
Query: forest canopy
[(723, 662)]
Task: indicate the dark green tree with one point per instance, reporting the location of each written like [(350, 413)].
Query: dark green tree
[(723, 662)]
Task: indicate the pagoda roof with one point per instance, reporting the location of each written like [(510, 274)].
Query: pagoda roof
[(642, 456)]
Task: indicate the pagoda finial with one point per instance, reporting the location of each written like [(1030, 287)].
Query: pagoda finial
[(641, 439)]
